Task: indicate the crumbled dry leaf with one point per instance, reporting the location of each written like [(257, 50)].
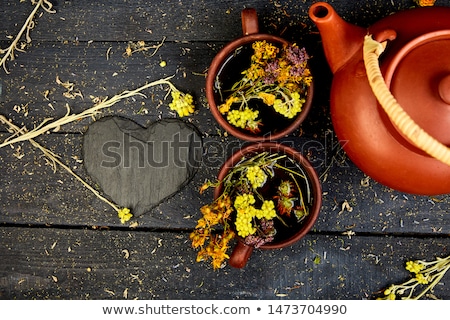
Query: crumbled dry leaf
[(349, 233), (134, 225), (365, 182), (281, 295), (77, 159), (18, 153), (45, 94), (135, 277), (141, 46), (67, 85), (110, 292), (108, 53), (345, 206)]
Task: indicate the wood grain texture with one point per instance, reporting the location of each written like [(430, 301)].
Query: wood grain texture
[(58, 241), (86, 264)]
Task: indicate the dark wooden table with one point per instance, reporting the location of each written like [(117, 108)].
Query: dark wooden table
[(58, 241)]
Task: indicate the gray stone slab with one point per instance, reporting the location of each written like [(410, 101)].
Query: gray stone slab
[(138, 167)]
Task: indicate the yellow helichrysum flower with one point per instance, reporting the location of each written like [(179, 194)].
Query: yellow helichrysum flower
[(182, 103), (124, 215), (245, 213), (244, 200), (256, 176), (243, 222), (268, 210), (414, 267), (421, 279), (240, 118)]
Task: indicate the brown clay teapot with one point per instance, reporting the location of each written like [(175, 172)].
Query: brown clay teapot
[(415, 66)]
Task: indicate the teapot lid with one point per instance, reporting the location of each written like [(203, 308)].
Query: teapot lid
[(419, 78)]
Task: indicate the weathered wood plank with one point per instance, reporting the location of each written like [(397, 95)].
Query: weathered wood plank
[(57, 240), (30, 93), (199, 20), (101, 70), (32, 194), (86, 264)]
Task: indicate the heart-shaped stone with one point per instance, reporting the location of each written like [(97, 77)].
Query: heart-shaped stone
[(138, 167)]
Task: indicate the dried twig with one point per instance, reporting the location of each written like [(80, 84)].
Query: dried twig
[(8, 53), (54, 158), (141, 46), (68, 118)]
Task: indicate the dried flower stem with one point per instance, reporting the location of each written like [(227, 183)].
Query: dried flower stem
[(27, 26), (140, 46), (54, 158), (426, 273), (68, 118)]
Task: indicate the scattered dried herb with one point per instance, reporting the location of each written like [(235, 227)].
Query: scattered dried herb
[(8, 53)]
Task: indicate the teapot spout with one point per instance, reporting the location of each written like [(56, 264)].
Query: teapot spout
[(340, 39)]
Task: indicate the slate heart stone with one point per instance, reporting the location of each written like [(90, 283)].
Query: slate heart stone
[(138, 167)]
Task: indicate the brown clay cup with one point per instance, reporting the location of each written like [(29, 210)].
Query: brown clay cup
[(251, 34), (242, 252)]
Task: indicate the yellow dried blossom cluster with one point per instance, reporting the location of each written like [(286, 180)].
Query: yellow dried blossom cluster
[(213, 246), (414, 266), (244, 119), (246, 212), (182, 103), (124, 215), (291, 107), (256, 176)]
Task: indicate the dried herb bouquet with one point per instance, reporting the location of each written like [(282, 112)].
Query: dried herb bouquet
[(263, 196), (278, 76)]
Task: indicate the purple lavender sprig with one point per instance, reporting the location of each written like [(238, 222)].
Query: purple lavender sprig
[(266, 234), (296, 55)]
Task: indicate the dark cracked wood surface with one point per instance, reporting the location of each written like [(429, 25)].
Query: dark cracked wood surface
[(58, 241)]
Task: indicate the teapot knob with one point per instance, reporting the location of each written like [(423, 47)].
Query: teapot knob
[(444, 89)]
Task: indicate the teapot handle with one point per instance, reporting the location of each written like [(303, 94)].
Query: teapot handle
[(421, 139)]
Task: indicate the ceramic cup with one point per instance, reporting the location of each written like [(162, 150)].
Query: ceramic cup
[(242, 252), (251, 34)]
